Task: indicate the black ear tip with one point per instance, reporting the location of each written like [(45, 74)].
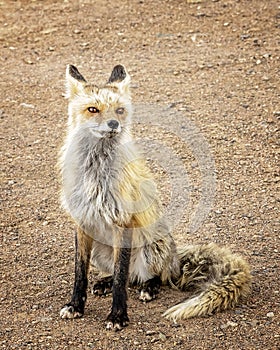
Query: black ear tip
[(120, 68), (71, 68), (118, 74), (73, 71)]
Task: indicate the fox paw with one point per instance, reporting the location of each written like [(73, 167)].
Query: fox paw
[(146, 296), (116, 321), (103, 286), (150, 289), (69, 311)]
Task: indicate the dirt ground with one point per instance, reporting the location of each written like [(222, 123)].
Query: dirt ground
[(216, 64)]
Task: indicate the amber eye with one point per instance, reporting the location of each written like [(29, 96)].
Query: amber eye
[(120, 110), (93, 110)]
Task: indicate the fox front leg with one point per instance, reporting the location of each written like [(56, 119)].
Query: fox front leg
[(118, 317), (75, 308)]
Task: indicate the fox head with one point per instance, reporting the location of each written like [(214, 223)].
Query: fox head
[(106, 109)]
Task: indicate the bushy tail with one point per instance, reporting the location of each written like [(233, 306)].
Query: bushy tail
[(222, 278)]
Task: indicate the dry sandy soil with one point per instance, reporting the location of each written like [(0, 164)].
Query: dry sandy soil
[(210, 64)]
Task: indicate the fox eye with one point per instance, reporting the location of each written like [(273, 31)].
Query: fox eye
[(120, 110), (93, 110)]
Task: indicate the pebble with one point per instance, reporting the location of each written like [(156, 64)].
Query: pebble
[(27, 105), (270, 314), (150, 332), (229, 324), (267, 55), (28, 61), (254, 323), (244, 36)]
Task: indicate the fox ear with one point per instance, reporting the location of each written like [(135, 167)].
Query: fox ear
[(120, 78), (74, 81)]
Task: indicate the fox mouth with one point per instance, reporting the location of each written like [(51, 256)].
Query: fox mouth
[(112, 133), (105, 132)]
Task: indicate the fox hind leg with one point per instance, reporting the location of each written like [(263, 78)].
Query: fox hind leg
[(75, 308), (103, 286)]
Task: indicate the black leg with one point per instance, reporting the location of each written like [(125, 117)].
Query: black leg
[(76, 306), (118, 318), (150, 289)]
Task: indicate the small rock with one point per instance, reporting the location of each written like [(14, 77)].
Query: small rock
[(49, 30), (229, 324), (270, 314), (175, 325), (244, 36), (171, 105), (266, 55), (28, 61), (238, 312), (254, 323), (162, 337), (27, 105), (150, 332), (153, 340), (45, 319)]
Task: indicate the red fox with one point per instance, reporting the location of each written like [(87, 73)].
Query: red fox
[(109, 192)]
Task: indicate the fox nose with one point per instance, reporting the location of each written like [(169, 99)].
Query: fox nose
[(113, 124)]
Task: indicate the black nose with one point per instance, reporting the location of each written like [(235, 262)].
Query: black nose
[(113, 124)]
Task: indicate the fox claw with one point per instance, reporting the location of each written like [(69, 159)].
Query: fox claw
[(68, 312), (103, 287), (117, 321)]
